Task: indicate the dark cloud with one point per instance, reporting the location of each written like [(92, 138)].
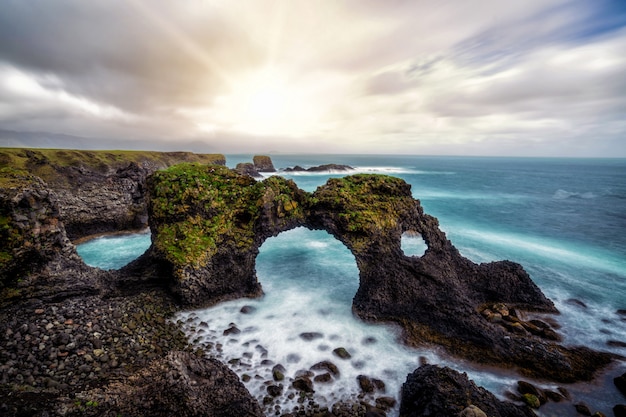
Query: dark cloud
[(113, 52)]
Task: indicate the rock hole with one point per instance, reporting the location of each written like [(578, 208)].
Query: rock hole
[(413, 244)]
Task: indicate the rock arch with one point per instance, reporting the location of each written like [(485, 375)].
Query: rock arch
[(208, 223)]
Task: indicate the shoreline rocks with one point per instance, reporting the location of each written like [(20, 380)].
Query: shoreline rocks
[(432, 390), (71, 330)]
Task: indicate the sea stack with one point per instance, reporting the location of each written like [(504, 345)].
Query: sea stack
[(263, 163)]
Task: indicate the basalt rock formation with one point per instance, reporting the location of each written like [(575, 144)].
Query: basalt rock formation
[(209, 222), (37, 260)]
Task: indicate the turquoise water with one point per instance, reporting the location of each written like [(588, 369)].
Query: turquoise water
[(115, 251), (564, 220)]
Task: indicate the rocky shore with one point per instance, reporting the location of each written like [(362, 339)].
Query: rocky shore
[(76, 340)]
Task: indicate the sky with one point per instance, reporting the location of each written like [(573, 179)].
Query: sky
[(444, 77)]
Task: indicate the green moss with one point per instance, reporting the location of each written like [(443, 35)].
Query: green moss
[(363, 203), (46, 163), (195, 208)]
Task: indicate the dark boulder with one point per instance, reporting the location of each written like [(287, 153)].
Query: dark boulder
[(435, 391), (620, 383), (247, 168)]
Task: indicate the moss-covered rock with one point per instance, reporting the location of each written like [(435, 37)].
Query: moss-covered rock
[(208, 223)]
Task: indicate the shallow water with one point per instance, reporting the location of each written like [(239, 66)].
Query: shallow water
[(564, 220)]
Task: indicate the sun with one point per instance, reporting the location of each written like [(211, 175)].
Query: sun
[(265, 102)]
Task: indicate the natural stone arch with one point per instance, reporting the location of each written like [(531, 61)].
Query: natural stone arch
[(295, 255), (208, 223)]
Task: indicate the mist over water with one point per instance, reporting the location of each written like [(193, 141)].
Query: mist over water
[(562, 219)]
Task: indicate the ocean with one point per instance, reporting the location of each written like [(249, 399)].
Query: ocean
[(564, 220)]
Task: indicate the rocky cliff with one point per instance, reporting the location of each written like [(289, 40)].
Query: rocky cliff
[(209, 222), (74, 338), (102, 191)]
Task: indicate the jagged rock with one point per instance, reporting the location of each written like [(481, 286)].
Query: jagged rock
[(263, 163), (247, 168), (435, 391), (620, 383), (37, 260), (436, 298)]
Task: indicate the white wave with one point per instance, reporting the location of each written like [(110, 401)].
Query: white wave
[(564, 195), (386, 170)]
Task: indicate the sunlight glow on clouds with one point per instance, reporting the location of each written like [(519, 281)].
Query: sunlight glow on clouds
[(486, 78)]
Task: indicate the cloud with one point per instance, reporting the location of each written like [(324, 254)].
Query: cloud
[(484, 77)]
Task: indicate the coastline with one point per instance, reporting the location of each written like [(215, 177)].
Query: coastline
[(106, 286)]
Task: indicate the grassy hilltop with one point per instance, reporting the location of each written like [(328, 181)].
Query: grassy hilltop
[(48, 163)]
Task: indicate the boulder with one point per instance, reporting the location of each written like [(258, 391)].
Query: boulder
[(440, 391), (620, 383), (247, 168)]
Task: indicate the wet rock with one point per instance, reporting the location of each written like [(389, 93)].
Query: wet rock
[(323, 378), (278, 372), (326, 366), (342, 353), (309, 336), (247, 310), (365, 383), (385, 403), (531, 400), (275, 390), (620, 383), (524, 387), (582, 408), (576, 302), (231, 330), (303, 384), (443, 392)]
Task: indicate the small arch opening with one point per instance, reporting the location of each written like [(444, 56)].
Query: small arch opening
[(114, 251), (412, 244)]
